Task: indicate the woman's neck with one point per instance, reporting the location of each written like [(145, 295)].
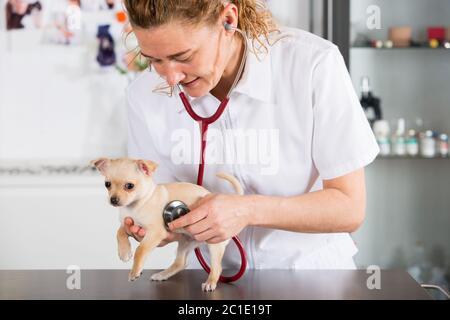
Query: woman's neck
[(220, 91)]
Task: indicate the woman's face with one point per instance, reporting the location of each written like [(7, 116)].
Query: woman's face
[(193, 56)]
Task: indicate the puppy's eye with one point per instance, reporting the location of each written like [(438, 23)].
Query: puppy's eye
[(129, 186), (108, 184)]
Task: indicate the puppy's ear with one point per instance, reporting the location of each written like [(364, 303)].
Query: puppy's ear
[(147, 167), (101, 164)]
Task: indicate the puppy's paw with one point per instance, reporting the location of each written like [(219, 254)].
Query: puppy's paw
[(160, 276), (209, 286), (125, 254), (134, 275)]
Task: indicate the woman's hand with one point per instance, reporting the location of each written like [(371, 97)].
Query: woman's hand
[(216, 217), (133, 230), (138, 233)]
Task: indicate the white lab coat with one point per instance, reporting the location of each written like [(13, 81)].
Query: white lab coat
[(293, 120)]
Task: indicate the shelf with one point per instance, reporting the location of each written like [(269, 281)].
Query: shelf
[(402, 48), (411, 158)]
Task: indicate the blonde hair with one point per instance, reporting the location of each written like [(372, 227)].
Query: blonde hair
[(254, 18)]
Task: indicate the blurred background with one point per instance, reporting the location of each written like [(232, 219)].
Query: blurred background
[(63, 71)]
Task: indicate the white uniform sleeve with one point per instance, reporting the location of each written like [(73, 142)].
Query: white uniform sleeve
[(342, 138), (140, 144)]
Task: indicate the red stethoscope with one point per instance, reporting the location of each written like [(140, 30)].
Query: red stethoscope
[(204, 122)]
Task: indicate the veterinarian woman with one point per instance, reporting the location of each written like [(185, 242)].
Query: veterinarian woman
[(293, 134)]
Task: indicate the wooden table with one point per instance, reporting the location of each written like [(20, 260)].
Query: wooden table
[(255, 285)]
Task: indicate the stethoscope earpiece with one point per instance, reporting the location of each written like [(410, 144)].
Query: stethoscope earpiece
[(228, 26)]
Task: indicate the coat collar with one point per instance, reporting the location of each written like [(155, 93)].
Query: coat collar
[(255, 81)]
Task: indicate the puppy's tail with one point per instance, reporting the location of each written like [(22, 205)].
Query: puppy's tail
[(234, 182)]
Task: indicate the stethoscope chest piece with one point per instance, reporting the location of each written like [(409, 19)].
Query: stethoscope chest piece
[(173, 210)]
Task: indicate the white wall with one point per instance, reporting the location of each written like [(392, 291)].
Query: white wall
[(54, 222), (55, 101), (293, 13)]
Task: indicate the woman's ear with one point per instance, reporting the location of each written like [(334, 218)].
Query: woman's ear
[(147, 167), (229, 17), (101, 164)]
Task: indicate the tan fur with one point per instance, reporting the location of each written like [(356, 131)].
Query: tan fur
[(145, 204)]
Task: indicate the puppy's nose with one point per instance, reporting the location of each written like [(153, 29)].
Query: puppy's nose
[(114, 201)]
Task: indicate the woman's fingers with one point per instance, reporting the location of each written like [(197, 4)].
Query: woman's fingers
[(128, 221), (141, 232), (205, 235), (138, 238), (188, 219), (133, 230), (198, 227)]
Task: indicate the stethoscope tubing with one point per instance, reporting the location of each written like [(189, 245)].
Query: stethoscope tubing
[(204, 122)]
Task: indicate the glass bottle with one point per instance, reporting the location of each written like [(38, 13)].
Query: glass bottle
[(381, 130), (443, 145), (412, 144), (399, 141), (369, 102), (428, 144)]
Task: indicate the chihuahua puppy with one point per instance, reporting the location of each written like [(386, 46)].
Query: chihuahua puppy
[(131, 188)]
